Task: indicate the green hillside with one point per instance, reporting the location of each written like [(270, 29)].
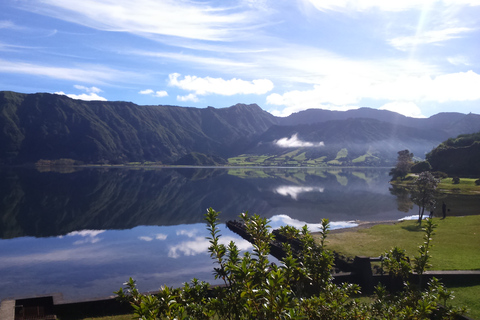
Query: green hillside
[(48, 126), (457, 156)]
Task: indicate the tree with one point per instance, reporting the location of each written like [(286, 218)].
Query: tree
[(299, 288), (420, 166), (403, 166), (424, 193)]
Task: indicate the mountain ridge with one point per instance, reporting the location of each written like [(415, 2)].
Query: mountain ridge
[(49, 126)]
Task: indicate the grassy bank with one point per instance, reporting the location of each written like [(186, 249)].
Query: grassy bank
[(456, 241), (465, 186), (456, 247)]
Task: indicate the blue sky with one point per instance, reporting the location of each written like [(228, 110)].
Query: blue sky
[(416, 57)]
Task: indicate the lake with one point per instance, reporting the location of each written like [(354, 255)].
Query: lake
[(83, 232)]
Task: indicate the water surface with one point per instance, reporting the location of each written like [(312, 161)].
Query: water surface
[(82, 233)]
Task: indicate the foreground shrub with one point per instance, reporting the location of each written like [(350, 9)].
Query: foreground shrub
[(300, 288)]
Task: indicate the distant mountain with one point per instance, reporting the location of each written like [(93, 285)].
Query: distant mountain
[(346, 142), (450, 123), (457, 156), (51, 127), (48, 126)]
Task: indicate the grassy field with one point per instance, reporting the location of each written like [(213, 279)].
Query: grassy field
[(456, 247), (456, 241), (466, 186)]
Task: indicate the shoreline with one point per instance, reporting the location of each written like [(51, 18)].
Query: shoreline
[(362, 225)]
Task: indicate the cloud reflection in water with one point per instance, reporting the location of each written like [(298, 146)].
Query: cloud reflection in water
[(283, 220), (294, 191), (89, 236)]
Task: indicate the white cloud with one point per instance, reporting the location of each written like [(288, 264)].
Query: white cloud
[(190, 97), (178, 18), (145, 238), (408, 88), (461, 86), (161, 236), (408, 109), (147, 91), (294, 142), (295, 101), (83, 96), (159, 94), (208, 85), (91, 94)]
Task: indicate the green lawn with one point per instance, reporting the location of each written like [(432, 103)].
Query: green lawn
[(466, 186), (456, 247), (468, 296), (456, 241)]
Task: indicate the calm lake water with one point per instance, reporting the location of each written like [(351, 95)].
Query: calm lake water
[(82, 233)]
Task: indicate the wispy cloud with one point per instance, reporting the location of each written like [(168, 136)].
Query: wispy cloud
[(178, 18), (389, 6), (294, 142), (459, 60), (199, 59), (8, 24), (85, 73), (428, 37)]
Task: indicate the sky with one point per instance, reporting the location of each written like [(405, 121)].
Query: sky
[(415, 57)]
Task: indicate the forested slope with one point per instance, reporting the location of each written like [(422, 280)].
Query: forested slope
[(457, 156), (48, 126)]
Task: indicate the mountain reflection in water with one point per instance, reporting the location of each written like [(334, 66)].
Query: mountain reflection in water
[(84, 232)]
